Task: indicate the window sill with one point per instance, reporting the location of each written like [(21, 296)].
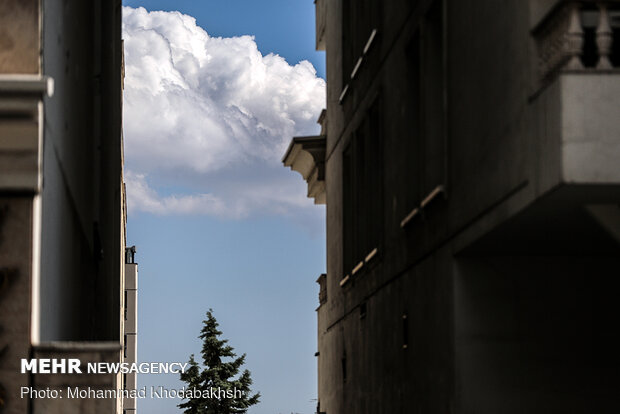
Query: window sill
[(437, 191), (360, 266)]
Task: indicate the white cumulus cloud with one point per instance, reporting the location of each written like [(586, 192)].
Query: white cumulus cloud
[(207, 120)]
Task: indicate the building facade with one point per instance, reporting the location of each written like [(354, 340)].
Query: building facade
[(469, 159), (62, 198), (130, 328)]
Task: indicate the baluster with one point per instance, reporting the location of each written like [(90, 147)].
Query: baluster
[(604, 38), (574, 39)]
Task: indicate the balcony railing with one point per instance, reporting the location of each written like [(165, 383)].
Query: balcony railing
[(579, 35)]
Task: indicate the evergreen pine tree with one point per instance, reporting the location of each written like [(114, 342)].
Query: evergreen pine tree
[(219, 372)]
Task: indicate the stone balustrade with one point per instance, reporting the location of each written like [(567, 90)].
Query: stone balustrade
[(578, 35)]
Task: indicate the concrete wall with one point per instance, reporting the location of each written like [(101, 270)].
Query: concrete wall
[(82, 240), (19, 172), (518, 158), (16, 215), (131, 329), (590, 128), (86, 352), (532, 334)]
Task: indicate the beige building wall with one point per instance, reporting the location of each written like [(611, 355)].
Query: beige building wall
[(20, 36), (21, 92), (131, 327)]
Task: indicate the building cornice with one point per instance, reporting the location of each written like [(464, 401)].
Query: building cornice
[(306, 155)]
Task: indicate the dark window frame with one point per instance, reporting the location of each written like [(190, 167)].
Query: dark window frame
[(359, 19), (363, 187)]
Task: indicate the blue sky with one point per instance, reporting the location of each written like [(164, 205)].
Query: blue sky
[(258, 276), (218, 221), (285, 27)]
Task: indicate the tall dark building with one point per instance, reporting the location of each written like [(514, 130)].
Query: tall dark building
[(62, 202), (470, 162)]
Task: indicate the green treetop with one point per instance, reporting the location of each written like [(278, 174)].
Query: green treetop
[(219, 373)]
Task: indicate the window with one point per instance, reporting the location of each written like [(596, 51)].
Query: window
[(363, 310), (405, 321), (359, 18), (363, 190), (432, 94), (425, 148), (413, 144)]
